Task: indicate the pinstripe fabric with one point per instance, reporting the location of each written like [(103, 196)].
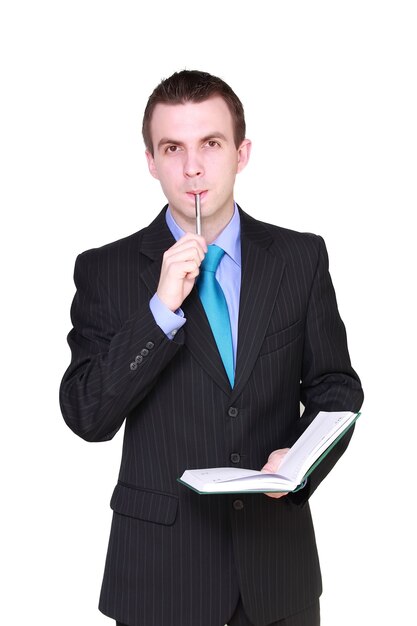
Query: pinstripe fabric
[(175, 557), (307, 617)]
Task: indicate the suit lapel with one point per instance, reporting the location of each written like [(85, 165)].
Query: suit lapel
[(201, 343), (262, 271), (156, 239)]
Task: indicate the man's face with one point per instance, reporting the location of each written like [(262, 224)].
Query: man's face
[(195, 152)]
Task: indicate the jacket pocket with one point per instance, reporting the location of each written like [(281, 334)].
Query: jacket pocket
[(144, 504), (281, 338)]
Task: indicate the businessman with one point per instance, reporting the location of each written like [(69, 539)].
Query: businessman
[(205, 346)]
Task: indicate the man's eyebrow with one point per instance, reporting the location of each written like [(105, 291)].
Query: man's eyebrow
[(166, 140), (215, 135)]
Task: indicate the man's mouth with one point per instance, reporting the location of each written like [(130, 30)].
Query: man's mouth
[(192, 194)]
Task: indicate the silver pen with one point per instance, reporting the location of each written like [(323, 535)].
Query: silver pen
[(197, 214)]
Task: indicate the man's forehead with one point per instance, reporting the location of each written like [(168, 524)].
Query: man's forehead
[(192, 116)]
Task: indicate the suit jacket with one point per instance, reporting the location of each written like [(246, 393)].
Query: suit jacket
[(175, 557)]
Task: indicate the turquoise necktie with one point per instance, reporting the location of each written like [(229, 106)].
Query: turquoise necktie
[(215, 306)]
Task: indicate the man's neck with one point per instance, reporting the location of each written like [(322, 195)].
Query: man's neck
[(210, 228), (210, 232)]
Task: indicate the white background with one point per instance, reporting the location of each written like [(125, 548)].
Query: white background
[(329, 90)]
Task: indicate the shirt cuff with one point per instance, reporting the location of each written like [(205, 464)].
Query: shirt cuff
[(170, 322)]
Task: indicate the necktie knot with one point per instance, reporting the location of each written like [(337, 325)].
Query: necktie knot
[(212, 259)]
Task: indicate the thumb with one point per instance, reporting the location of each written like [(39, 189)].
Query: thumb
[(274, 460), (268, 468)]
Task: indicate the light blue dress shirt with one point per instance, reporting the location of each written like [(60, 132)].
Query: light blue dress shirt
[(228, 274)]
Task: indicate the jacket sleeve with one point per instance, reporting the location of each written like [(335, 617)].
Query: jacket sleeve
[(114, 364), (328, 382)]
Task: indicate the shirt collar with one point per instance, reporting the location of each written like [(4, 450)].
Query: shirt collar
[(229, 238)]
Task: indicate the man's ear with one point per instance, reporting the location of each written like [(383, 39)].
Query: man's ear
[(243, 154), (151, 164)]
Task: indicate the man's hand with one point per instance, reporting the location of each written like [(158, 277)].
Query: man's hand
[(180, 267), (271, 467)]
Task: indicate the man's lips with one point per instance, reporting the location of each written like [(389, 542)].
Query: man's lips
[(202, 193)]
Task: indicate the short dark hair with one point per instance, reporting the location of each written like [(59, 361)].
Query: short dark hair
[(193, 86)]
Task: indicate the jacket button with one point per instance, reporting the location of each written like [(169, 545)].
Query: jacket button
[(238, 505), (144, 352), (150, 345), (139, 359), (235, 457), (133, 366), (233, 411)]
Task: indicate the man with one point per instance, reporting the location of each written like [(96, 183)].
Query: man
[(143, 349)]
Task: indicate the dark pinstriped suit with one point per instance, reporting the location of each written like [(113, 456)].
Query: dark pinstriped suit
[(176, 558)]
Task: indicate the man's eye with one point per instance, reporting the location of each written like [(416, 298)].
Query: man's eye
[(172, 149), (212, 143)]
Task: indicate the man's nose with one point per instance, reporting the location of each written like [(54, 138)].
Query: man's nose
[(193, 165)]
